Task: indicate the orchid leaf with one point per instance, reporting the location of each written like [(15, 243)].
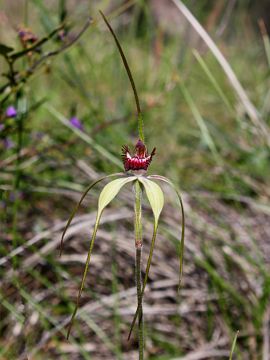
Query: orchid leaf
[(182, 240), (79, 204), (106, 196), (156, 200)]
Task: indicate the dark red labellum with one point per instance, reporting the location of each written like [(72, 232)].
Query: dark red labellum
[(140, 160)]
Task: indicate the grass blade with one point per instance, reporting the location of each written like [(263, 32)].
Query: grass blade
[(100, 149), (233, 345), (201, 123), (213, 81), (250, 108), (266, 40)]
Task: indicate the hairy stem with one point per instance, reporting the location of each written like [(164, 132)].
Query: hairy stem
[(138, 245)]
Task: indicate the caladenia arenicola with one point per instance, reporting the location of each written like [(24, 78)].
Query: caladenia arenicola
[(136, 165)]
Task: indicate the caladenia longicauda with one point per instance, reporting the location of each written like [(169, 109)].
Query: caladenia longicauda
[(136, 164)]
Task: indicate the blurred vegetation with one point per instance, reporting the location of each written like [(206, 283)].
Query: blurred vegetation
[(206, 142)]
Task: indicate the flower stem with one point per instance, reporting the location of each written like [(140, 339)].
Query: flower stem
[(138, 245), (139, 299)]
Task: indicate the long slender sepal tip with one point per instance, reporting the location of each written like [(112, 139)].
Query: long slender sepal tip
[(69, 329), (61, 247), (126, 65)]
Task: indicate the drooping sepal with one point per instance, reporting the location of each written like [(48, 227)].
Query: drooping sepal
[(181, 205), (106, 196)]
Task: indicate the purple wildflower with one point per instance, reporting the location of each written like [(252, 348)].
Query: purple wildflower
[(14, 195), (8, 144), (75, 122), (2, 127), (11, 112)]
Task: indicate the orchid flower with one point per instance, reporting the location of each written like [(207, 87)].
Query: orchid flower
[(136, 165)]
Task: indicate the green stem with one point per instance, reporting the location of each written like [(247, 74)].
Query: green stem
[(138, 245), (17, 180), (139, 299)]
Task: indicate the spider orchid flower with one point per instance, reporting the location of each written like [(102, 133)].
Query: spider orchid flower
[(135, 165), (140, 161), (136, 174)]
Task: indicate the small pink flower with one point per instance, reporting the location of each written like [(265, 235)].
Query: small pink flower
[(140, 160)]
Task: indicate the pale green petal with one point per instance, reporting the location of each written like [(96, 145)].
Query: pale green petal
[(155, 196), (79, 203), (110, 191)]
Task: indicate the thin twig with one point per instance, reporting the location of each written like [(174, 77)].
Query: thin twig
[(25, 74), (61, 49), (36, 45)]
